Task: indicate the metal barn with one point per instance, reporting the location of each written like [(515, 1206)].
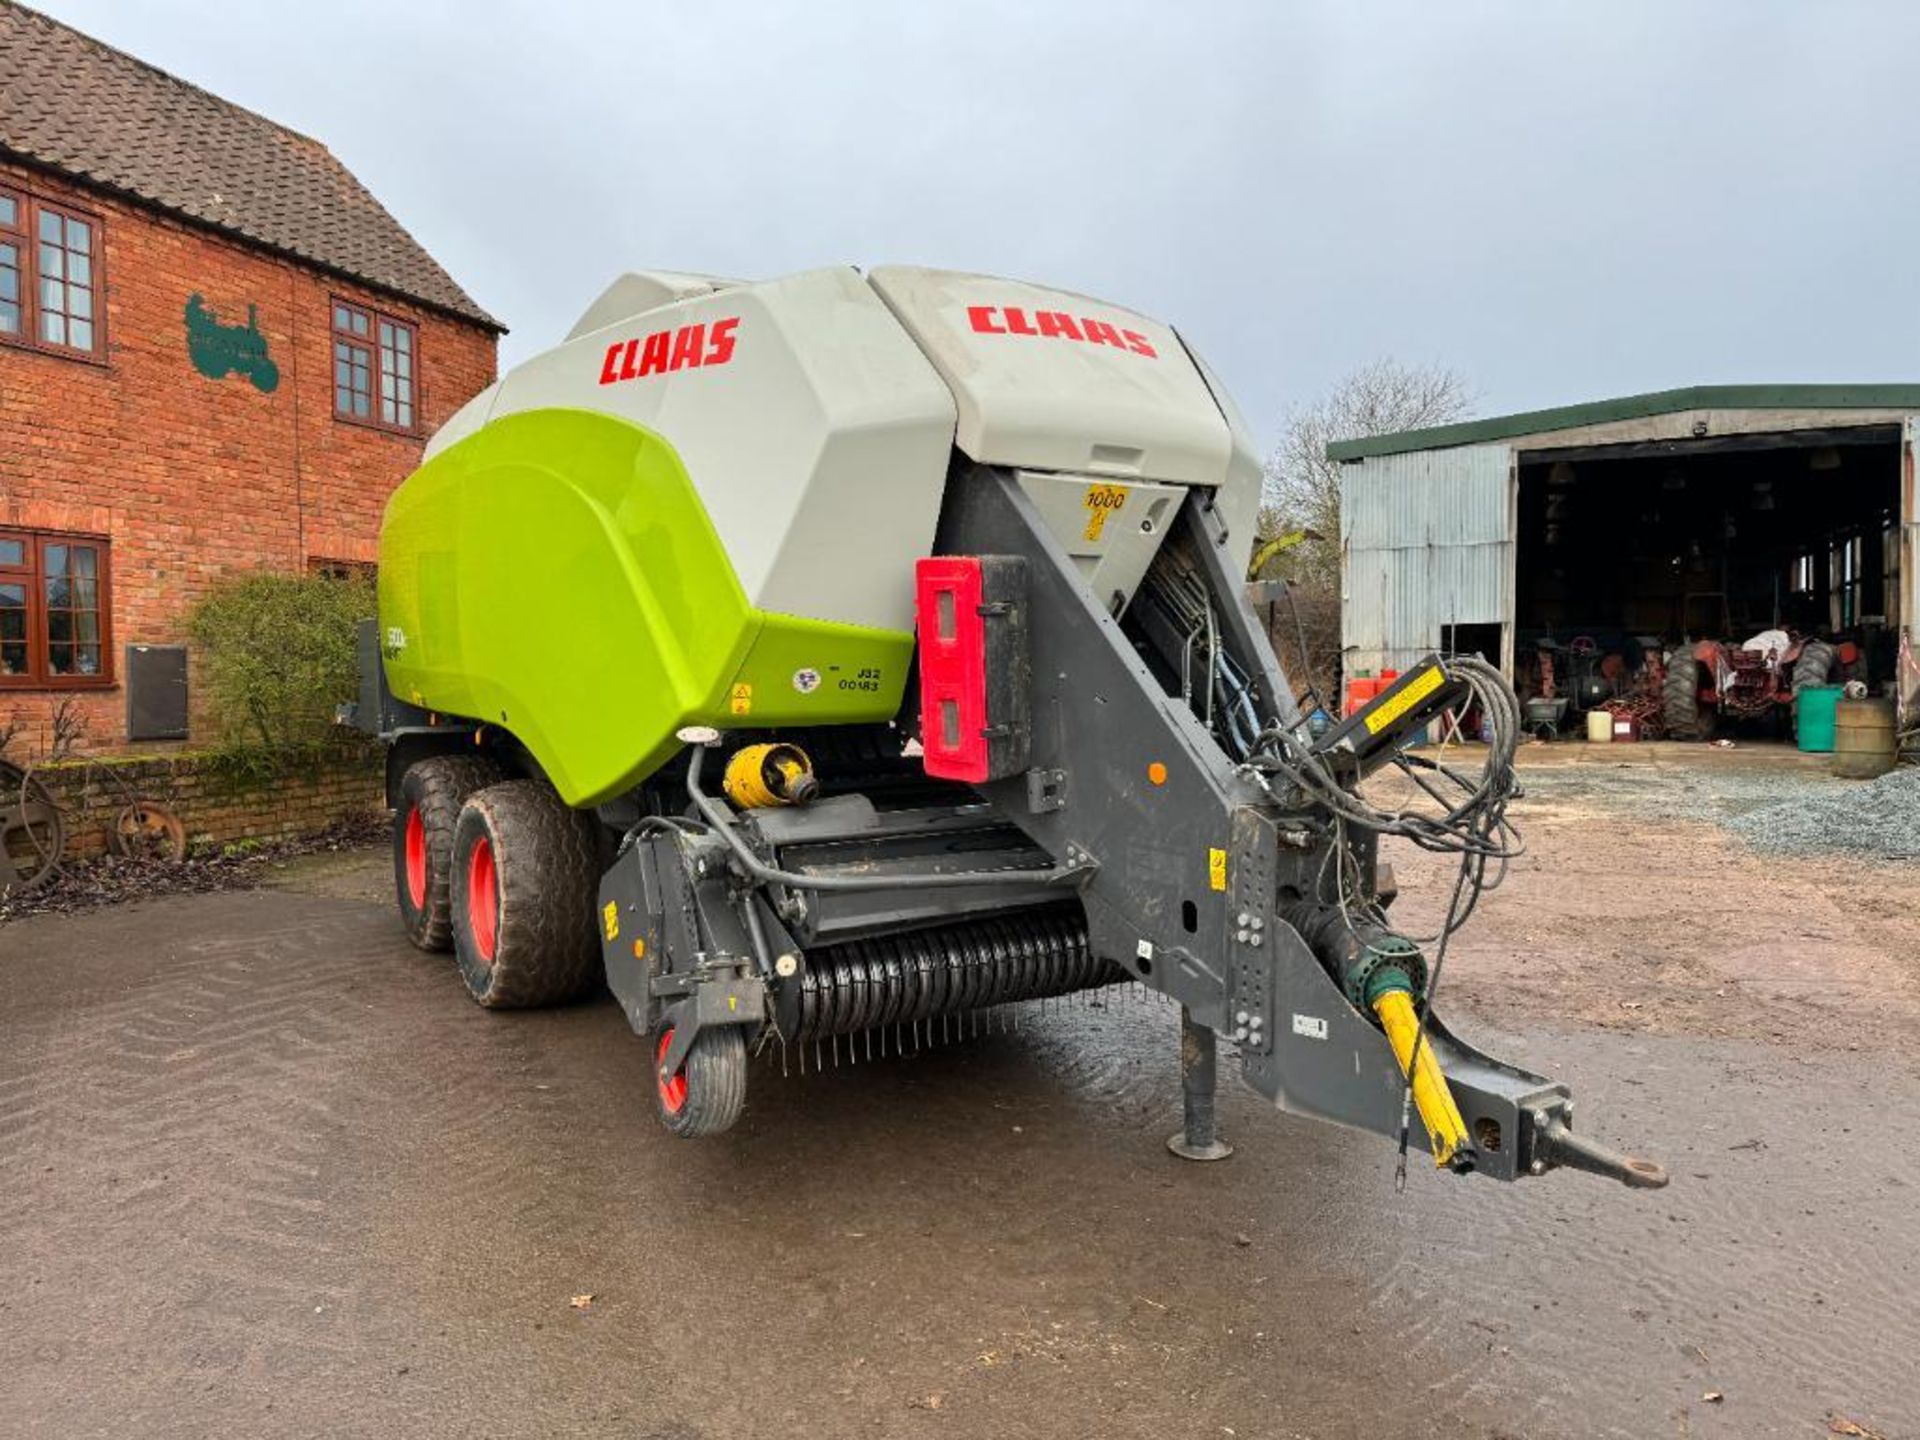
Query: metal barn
[(1714, 511)]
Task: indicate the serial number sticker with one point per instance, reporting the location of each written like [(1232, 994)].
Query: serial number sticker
[(1217, 869), (1101, 501), (610, 917), (1418, 688), (740, 702), (1311, 1026)]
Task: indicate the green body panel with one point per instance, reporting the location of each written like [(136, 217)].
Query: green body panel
[(556, 575)]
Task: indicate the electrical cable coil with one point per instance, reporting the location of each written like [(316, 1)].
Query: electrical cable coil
[(923, 974)]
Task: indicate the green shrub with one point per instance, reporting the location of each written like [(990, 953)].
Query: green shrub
[(277, 654)]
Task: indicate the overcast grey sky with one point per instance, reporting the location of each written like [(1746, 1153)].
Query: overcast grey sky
[(1561, 202)]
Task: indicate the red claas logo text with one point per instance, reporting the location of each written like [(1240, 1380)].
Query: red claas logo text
[(1056, 325), (666, 350)]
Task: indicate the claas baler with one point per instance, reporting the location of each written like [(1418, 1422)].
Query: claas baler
[(833, 659)]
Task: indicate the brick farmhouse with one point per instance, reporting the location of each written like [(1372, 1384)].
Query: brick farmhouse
[(218, 353)]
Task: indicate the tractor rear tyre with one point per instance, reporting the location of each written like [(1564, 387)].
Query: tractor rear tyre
[(431, 794), (1686, 717), (1814, 665), (524, 885), (705, 1095)]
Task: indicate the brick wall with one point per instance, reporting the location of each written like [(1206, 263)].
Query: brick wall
[(191, 478), (213, 804)]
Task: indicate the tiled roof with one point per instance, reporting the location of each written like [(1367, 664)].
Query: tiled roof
[(75, 105)]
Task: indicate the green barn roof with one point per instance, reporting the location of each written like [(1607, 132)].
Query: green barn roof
[(1633, 407)]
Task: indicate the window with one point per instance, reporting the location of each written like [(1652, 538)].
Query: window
[(373, 375), (1800, 575), (53, 611), (49, 277), (1845, 571)]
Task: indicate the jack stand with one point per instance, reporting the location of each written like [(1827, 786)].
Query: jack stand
[(1198, 1141)]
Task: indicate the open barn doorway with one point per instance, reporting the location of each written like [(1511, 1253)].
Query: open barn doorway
[(1755, 560)]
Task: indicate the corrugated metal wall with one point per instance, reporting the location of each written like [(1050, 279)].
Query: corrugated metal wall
[(1426, 541)]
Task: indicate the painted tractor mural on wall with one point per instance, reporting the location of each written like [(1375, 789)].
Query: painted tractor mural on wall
[(218, 349)]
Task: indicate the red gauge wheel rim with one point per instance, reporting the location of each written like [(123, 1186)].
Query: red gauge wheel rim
[(416, 859), (483, 899), (673, 1088)]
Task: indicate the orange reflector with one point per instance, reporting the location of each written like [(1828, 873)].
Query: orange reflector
[(1157, 773), (639, 949)]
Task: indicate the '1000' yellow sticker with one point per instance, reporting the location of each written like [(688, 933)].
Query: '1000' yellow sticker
[(1101, 501)]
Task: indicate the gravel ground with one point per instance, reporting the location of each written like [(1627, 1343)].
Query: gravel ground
[(1775, 811)]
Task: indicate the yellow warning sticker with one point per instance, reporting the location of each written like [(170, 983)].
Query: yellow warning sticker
[(740, 702), (1217, 869), (610, 918), (1417, 689), (1101, 501)]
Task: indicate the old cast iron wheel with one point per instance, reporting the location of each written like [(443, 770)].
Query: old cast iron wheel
[(431, 794), (524, 883), (33, 833), (706, 1094)]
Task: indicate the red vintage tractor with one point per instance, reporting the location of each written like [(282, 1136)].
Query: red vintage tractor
[(1710, 683)]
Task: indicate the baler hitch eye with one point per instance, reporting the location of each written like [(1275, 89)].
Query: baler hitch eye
[(1554, 1143)]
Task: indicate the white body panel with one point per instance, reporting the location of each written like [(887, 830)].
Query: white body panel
[(638, 291), (1110, 529), (1047, 380), (818, 434), (819, 447)]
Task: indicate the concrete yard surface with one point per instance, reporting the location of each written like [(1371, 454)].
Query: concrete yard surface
[(269, 1173)]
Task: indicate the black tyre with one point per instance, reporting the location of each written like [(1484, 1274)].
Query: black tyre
[(1686, 717), (524, 885), (1813, 666), (431, 794), (705, 1095)]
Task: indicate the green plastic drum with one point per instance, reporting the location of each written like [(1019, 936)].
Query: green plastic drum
[(1814, 710)]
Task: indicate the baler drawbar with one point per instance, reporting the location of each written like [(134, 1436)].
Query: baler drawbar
[(849, 655)]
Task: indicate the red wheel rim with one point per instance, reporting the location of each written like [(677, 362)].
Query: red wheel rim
[(416, 859), (673, 1088), (483, 898)]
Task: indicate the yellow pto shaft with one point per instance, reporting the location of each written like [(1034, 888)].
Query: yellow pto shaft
[(1446, 1129)]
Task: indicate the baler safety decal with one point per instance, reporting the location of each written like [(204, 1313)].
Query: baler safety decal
[(687, 348), (1417, 690)]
